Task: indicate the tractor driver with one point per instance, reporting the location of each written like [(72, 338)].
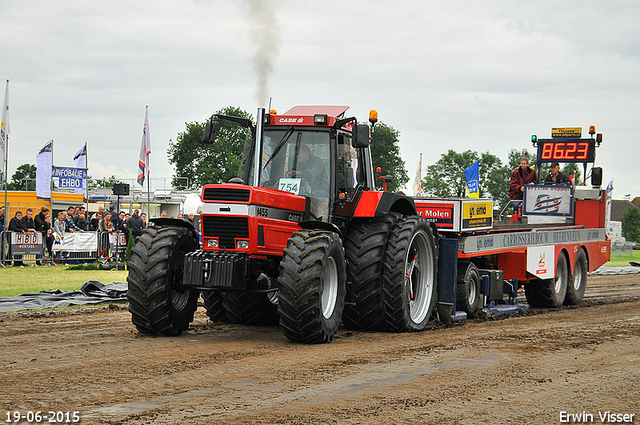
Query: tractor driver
[(311, 168)]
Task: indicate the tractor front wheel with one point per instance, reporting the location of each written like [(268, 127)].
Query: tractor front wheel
[(312, 286), (157, 302)]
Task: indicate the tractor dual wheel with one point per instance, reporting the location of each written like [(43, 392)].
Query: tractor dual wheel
[(312, 286), (364, 248), (157, 302), (549, 292), (409, 275), (578, 280)]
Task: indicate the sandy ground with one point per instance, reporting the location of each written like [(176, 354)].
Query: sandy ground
[(525, 369)]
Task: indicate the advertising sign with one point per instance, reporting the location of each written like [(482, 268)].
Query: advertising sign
[(26, 243), (441, 213), (477, 215), (541, 261), (548, 200), (76, 242)]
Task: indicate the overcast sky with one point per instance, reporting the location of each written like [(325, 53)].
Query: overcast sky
[(460, 74)]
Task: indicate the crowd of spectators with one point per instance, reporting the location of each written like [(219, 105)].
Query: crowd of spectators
[(76, 219)]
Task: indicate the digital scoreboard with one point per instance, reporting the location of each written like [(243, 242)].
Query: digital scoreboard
[(566, 150), (567, 146)]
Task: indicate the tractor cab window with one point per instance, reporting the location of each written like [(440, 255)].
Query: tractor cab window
[(297, 161)]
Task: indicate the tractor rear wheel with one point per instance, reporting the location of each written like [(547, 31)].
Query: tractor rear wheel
[(248, 308), (158, 305), (578, 281), (364, 247), (409, 275), (549, 292), (312, 286), (213, 306)]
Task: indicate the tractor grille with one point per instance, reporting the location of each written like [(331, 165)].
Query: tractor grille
[(226, 229), (221, 194)]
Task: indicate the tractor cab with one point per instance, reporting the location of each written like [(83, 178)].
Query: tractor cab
[(309, 151)]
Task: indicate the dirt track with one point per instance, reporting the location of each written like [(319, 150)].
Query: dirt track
[(525, 369)]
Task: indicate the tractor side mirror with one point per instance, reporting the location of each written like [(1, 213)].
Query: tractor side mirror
[(361, 136), (210, 132)]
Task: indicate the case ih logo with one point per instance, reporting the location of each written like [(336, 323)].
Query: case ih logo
[(545, 203), (293, 120)]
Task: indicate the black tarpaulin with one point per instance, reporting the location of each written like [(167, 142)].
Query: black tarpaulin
[(91, 292)]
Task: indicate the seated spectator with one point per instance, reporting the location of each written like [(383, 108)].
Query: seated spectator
[(39, 218)]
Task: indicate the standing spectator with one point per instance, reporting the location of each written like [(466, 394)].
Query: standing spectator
[(60, 225), (191, 218), (81, 210), (106, 229), (39, 218), (15, 225), (48, 236), (180, 217), (100, 211), (2, 219), (163, 214), (39, 221), (136, 224), (71, 224), (95, 221), (28, 223), (143, 216), (82, 223), (520, 177)]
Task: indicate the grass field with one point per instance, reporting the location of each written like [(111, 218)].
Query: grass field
[(14, 280)]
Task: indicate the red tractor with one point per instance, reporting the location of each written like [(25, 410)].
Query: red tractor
[(301, 237)]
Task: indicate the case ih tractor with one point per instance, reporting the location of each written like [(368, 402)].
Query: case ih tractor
[(301, 237)]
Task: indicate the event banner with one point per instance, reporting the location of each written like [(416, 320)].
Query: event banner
[(70, 178), (76, 242), (26, 243)]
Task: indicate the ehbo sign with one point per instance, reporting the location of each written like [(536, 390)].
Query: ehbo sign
[(70, 178)]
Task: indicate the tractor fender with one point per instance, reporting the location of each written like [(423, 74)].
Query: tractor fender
[(330, 227), (378, 204), (174, 222)]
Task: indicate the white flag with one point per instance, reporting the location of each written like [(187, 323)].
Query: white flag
[(44, 165), (81, 162), (145, 150), (417, 182), (4, 128)]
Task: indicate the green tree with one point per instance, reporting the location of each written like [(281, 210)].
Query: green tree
[(385, 153), (446, 179), (105, 182), (24, 178), (631, 224), (205, 164)]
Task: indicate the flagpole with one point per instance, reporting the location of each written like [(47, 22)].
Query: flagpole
[(6, 157), (86, 181), (147, 167)]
